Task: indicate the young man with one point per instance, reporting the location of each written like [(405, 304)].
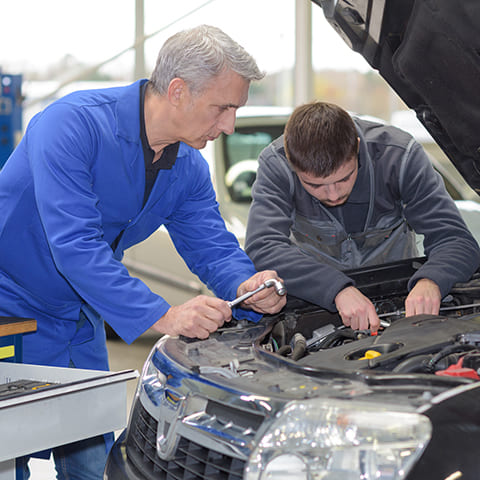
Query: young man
[(336, 193), (99, 171)]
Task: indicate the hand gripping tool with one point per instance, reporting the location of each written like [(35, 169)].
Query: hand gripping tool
[(272, 282)]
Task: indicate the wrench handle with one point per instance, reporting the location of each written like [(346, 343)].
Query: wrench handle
[(243, 297)]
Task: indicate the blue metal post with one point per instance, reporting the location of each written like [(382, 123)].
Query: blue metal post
[(11, 100)]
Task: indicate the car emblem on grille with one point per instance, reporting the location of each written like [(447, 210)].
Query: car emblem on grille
[(171, 408)]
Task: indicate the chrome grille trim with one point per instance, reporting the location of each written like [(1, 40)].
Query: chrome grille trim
[(191, 461)]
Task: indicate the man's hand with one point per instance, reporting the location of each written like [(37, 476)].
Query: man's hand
[(356, 310), (424, 297), (196, 318), (265, 301)]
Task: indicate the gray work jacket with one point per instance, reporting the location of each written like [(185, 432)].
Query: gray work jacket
[(294, 233)]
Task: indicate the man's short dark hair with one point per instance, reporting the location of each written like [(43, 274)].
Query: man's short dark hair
[(319, 138)]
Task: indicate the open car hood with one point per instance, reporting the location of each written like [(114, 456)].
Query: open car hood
[(429, 53)]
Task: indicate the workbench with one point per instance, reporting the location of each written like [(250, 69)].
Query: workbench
[(43, 407), (11, 331)]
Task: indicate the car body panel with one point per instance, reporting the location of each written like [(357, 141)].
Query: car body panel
[(427, 51), (212, 401)]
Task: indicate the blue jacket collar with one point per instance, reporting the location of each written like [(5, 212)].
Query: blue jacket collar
[(128, 112)]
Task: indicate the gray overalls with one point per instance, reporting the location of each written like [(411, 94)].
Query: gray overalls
[(324, 236), (397, 200)]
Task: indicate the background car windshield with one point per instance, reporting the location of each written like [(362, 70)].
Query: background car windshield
[(247, 143)]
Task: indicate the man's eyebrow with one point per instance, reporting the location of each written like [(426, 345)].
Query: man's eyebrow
[(229, 105), (313, 184), (348, 175)]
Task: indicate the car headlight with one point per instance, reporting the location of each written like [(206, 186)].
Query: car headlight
[(312, 440)]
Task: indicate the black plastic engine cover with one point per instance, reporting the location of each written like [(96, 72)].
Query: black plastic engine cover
[(405, 338)]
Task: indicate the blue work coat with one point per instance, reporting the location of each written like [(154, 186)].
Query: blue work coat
[(74, 183)]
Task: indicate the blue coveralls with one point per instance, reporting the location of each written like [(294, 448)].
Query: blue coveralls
[(74, 183)]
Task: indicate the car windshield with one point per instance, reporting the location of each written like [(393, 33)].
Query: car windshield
[(246, 143)]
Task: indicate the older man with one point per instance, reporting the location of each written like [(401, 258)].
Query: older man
[(97, 172)]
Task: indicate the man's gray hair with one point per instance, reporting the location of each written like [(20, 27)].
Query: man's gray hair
[(199, 54)]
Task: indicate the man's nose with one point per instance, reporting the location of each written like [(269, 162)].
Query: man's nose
[(333, 192), (227, 121)]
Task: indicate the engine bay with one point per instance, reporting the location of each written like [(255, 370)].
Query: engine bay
[(447, 344)]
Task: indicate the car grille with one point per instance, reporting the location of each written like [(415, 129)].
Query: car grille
[(191, 461)]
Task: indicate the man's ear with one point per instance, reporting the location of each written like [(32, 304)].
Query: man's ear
[(358, 144), (177, 91)]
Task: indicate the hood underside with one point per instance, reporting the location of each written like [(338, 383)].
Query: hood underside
[(429, 53)]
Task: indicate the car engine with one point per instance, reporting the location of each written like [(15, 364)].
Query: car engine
[(445, 344)]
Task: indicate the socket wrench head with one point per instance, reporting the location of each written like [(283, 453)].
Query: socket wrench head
[(279, 286), (272, 282)]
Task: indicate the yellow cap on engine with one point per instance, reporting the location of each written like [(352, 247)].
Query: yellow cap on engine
[(369, 354)]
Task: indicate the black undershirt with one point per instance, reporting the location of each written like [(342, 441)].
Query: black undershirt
[(165, 162)]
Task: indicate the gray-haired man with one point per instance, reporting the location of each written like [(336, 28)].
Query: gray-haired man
[(99, 171)]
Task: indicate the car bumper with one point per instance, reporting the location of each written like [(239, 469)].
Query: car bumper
[(118, 467)]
